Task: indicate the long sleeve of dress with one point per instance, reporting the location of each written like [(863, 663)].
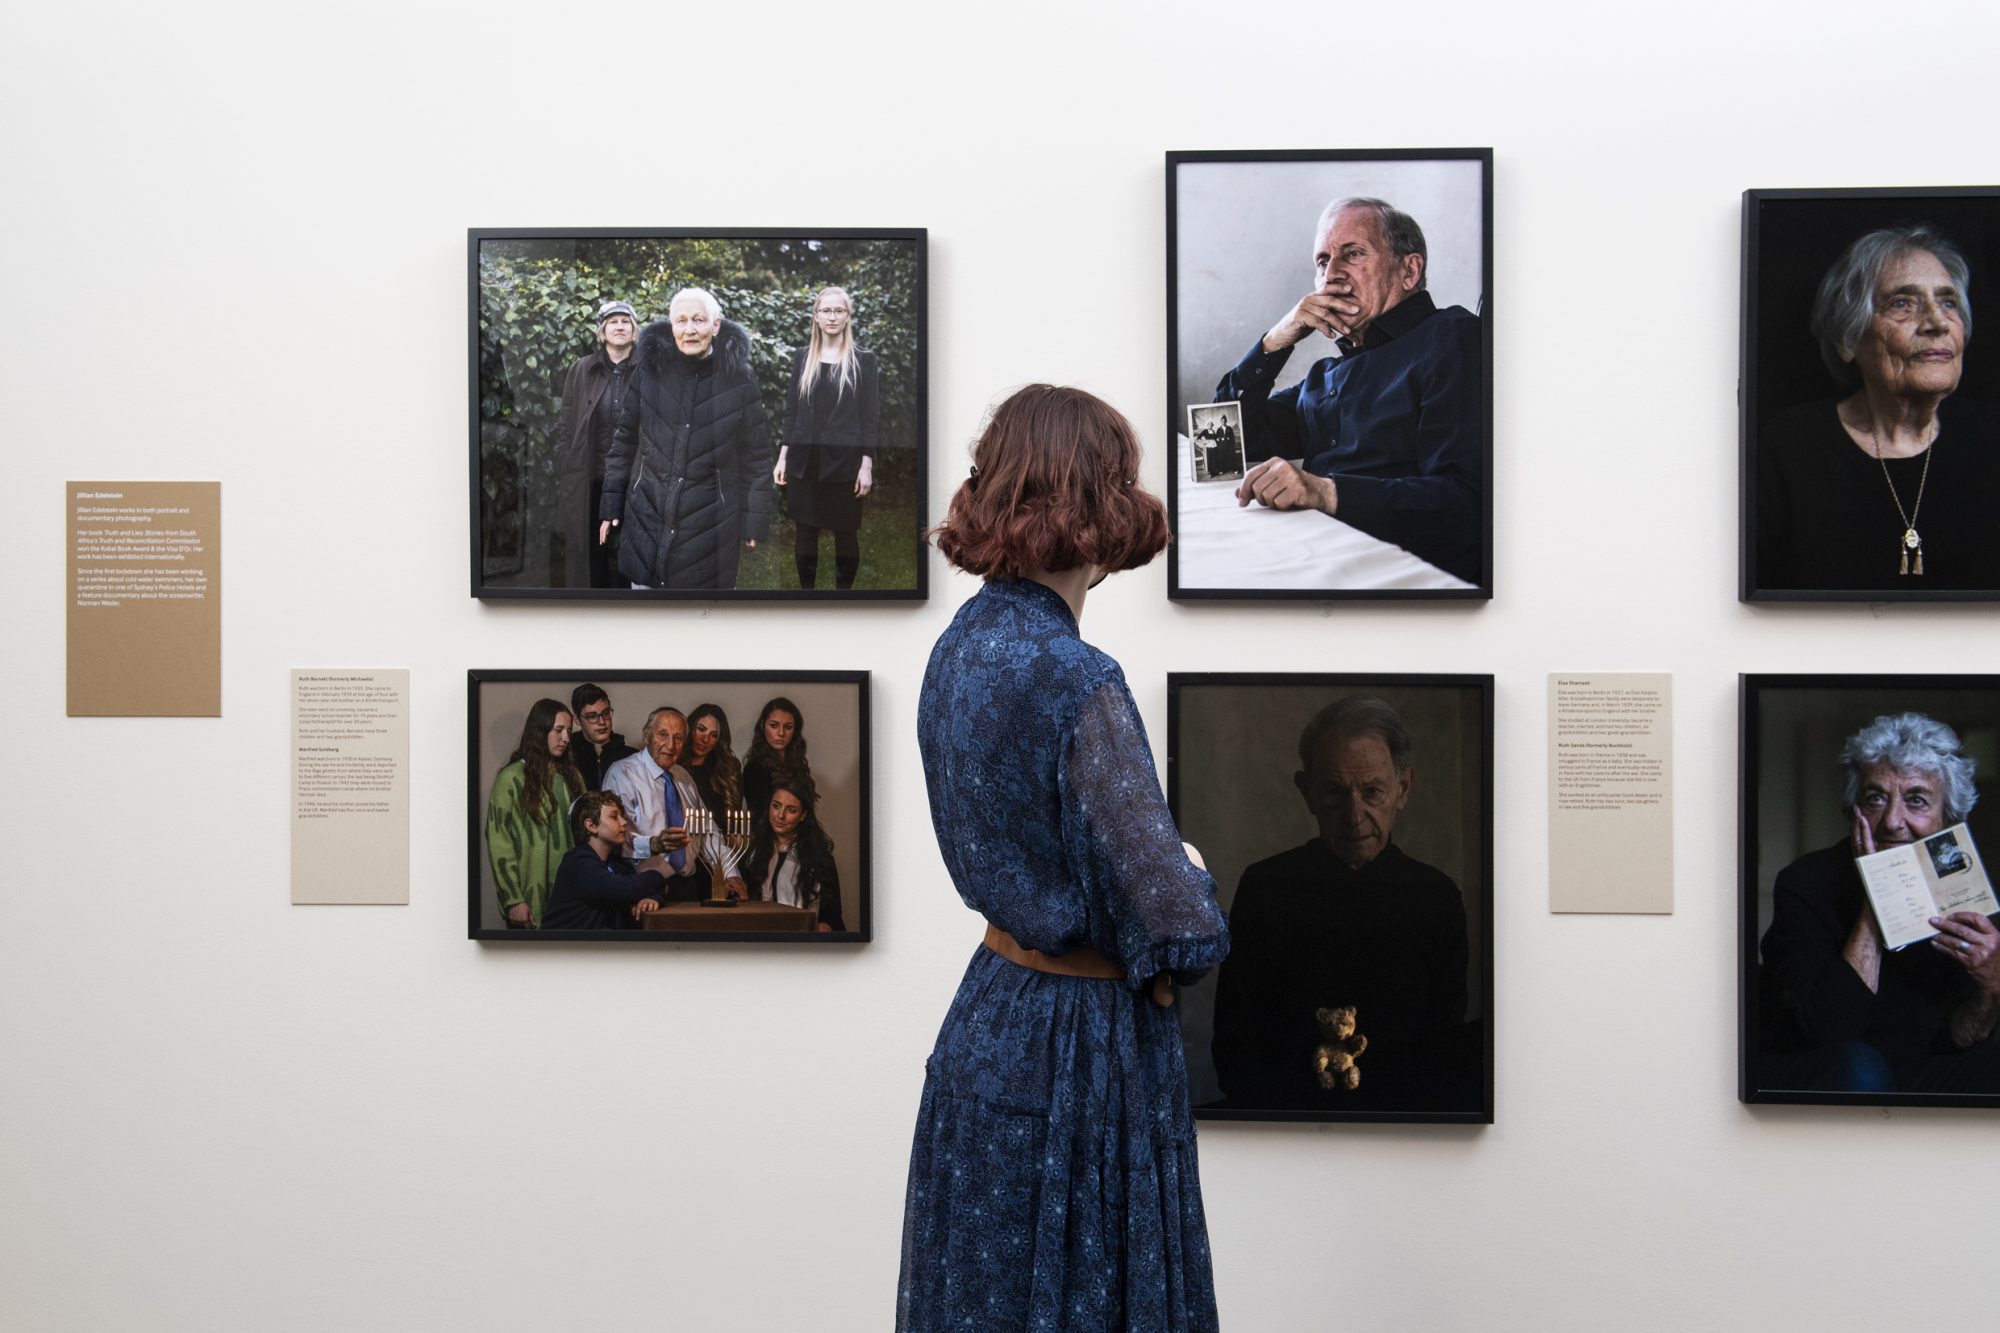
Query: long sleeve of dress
[(508, 838), (871, 404), (1151, 909)]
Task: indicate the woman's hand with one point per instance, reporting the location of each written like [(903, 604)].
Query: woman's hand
[(736, 888), (1163, 991), (778, 472), (1973, 942), (517, 915), (864, 480), (604, 530), (1861, 836)]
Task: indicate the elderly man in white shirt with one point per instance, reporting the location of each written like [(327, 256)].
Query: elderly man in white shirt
[(658, 793)]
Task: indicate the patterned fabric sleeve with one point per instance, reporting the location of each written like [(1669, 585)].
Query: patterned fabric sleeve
[(1151, 909), (507, 837)]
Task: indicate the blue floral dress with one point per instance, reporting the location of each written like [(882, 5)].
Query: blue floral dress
[(1053, 1181)]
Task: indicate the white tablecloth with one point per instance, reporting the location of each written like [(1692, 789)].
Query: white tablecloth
[(1249, 549)]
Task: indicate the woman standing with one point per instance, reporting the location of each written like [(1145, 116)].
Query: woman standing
[(777, 751), (826, 456), (688, 481), (711, 760), (1053, 1179), (527, 815), (791, 858), (593, 396)]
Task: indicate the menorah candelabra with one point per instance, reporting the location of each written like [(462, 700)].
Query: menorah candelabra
[(732, 832)]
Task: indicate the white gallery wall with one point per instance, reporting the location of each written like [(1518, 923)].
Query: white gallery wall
[(235, 241)]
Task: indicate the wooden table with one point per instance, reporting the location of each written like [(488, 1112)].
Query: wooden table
[(773, 918)]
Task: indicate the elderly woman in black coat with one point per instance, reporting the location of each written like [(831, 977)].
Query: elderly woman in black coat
[(688, 482)]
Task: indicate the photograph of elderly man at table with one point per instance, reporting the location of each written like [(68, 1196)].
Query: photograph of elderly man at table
[(1383, 427), (1351, 819), (676, 790), (1837, 1011), (1870, 426), (597, 885), (527, 814)]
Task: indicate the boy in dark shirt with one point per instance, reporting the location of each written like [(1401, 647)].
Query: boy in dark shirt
[(597, 887)]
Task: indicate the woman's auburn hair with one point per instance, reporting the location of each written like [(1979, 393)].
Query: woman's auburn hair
[(1054, 487)]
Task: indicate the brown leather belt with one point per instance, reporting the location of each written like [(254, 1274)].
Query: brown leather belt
[(1084, 962)]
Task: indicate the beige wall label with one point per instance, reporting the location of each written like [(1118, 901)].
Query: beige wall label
[(1611, 792), (145, 598), (350, 786)]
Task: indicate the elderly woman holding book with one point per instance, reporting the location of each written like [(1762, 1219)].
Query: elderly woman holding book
[(1864, 1017)]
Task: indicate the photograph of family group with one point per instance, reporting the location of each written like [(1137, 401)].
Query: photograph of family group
[(714, 416), (1338, 303), (1348, 823), (655, 805)]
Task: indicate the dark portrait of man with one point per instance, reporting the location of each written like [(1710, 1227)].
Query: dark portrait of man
[(1391, 432), (1349, 918)]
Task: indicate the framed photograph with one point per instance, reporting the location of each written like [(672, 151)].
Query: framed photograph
[(1341, 299), (650, 806), (1869, 471), (724, 415), (1348, 821), (1870, 961)]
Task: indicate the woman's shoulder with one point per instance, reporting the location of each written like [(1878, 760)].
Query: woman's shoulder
[(510, 777)]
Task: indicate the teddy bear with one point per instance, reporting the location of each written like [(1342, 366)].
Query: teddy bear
[(1333, 1058)]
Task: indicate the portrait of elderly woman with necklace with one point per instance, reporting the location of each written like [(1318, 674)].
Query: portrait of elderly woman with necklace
[(1891, 486)]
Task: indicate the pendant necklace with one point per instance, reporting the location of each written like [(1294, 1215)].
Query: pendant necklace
[(1910, 543)]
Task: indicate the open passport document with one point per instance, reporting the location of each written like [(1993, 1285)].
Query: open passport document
[(1932, 876)]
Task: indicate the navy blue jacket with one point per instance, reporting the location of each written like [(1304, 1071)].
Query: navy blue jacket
[(593, 894), (1398, 423)]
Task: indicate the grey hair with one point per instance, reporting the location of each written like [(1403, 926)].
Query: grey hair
[(1846, 298), (1405, 237), (1359, 715), (1913, 741), (654, 716), (700, 294)]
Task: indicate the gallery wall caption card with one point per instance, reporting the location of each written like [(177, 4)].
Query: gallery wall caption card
[(1611, 807), (145, 598), (350, 786)]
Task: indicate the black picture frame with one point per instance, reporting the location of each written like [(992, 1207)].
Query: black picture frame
[(1239, 255), (1232, 753), (532, 298), (1793, 529), (1792, 730), (835, 717)]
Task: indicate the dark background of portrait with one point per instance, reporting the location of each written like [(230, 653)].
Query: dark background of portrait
[(1800, 732), (537, 315), (1233, 752), (1799, 239), (833, 746)]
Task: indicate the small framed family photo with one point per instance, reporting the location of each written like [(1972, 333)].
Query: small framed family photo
[(1870, 471), (650, 806), (1340, 301), (1870, 957), (1348, 821), (698, 415)]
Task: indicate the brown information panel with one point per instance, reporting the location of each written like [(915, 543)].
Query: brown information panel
[(145, 598)]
